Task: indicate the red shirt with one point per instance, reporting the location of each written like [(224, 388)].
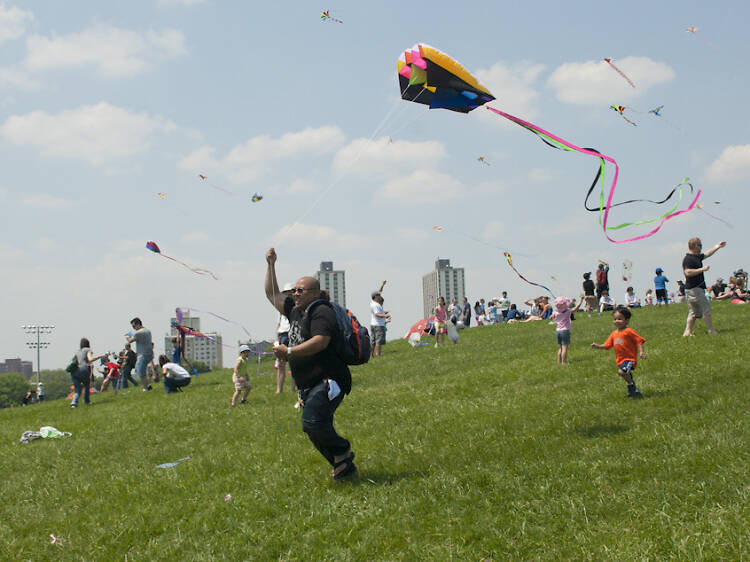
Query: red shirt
[(114, 369), (626, 344)]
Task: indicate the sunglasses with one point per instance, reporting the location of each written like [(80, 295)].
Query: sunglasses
[(298, 290)]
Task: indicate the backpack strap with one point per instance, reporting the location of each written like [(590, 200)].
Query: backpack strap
[(309, 309)]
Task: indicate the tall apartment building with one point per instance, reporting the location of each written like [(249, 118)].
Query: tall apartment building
[(332, 281), (208, 350), (17, 366), (443, 281)]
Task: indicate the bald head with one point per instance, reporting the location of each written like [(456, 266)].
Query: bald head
[(310, 291)]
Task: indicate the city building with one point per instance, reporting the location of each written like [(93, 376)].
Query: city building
[(332, 281), (444, 281), (208, 350), (17, 366)]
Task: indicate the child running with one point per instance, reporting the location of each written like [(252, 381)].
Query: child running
[(241, 376), (626, 343), (562, 315), (441, 315)]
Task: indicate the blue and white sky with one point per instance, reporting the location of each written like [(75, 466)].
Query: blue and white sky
[(106, 104)]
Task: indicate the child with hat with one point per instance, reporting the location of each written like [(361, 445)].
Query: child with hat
[(241, 375)]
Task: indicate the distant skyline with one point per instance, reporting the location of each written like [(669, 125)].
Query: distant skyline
[(111, 111)]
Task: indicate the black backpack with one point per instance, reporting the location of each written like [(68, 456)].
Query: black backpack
[(352, 343)]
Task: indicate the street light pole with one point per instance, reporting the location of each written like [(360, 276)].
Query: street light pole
[(32, 329)]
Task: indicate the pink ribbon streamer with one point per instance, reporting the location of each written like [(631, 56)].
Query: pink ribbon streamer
[(609, 159)]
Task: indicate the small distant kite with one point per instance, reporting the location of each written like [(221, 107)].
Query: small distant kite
[(700, 208), (621, 110), (438, 228), (694, 31), (256, 197), (205, 179), (154, 247), (483, 161), (620, 72), (326, 16), (627, 271), (510, 263), (161, 195), (656, 111)]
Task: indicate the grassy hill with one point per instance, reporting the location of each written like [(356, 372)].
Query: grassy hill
[(483, 450)]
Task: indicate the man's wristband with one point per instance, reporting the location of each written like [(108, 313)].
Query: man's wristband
[(289, 351)]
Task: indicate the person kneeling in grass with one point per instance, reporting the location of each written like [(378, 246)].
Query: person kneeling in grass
[(241, 376), (626, 343), (175, 376)]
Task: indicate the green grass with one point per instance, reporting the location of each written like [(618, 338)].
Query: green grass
[(483, 450)]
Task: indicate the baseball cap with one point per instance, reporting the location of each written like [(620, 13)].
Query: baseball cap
[(287, 287), (244, 348), (659, 270)]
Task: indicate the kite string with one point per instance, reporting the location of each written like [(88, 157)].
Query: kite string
[(609, 159)]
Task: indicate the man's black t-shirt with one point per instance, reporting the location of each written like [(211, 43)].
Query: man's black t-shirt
[(693, 261), (131, 358), (588, 288), (311, 370)]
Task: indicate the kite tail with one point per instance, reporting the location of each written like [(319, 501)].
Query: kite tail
[(621, 73), (602, 157), (510, 263)]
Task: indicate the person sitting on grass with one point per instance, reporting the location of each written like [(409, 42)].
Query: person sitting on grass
[(241, 376), (631, 301), (626, 343), (513, 314), (175, 376), (606, 302)]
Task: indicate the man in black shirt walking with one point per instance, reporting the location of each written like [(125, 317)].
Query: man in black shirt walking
[(321, 376), (695, 284)]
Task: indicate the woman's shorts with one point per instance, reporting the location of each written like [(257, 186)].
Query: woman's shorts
[(238, 384), (563, 337), (699, 305)]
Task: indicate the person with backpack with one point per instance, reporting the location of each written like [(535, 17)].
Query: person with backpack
[(321, 375), (602, 279)]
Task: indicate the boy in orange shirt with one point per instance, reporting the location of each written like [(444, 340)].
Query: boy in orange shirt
[(627, 344)]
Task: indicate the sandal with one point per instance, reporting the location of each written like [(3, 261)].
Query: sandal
[(349, 468)]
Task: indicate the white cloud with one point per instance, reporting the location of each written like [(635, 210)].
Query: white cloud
[(47, 201), (10, 76), (94, 133), (422, 187), (302, 234), (732, 164), (381, 158), (540, 175), (512, 86), (245, 161), (13, 22), (301, 185), (595, 82), (493, 229), (111, 50)]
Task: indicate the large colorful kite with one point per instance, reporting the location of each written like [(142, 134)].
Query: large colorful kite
[(430, 77), (154, 247)]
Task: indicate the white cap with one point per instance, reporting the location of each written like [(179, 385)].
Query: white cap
[(244, 347), (288, 287)]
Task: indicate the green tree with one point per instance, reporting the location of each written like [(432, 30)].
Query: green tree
[(56, 384), (13, 386)]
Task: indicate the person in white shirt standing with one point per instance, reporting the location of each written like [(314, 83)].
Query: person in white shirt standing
[(378, 319)]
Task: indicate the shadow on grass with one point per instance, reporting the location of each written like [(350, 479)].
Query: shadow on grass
[(600, 429), (368, 478)]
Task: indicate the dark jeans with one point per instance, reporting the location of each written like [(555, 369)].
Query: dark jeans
[(81, 382), (171, 385), (126, 370), (317, 421)]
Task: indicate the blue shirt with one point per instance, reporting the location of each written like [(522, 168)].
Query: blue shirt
[(660, 282), (176, 355)]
